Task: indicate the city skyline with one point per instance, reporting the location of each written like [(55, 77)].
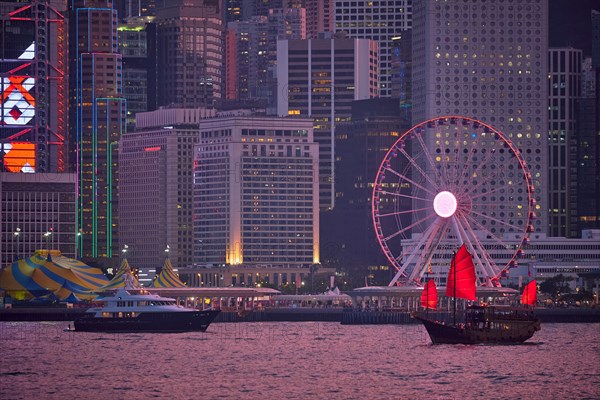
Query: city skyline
[(175, 54)]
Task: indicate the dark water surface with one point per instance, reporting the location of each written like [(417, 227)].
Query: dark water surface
[(311, 360)]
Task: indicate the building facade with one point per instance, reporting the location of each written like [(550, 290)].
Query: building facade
[(320, 78), (488, 61), (38, 212), (252, 52), (190, 53), (137, 45), (255, 192), (33, 71), (319, 17), (381, 21), (156, 178), (97, 122), (564, 92)]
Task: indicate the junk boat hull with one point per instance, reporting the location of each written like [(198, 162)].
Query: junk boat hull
[(484, 325), (149, 322)]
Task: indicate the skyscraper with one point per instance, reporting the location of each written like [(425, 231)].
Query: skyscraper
[(255, 192), (252, 52), (319, 17), (33, 70), (564, 91), (381, 21), (156, 185), (320, 78), (190, 53), (488, 61), (97, 123), (137, 45)]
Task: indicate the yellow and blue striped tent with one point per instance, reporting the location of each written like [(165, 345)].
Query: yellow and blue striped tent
[(167, 278), (123, 277), (47, 273)]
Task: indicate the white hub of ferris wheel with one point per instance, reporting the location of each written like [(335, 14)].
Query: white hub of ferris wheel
[(444, 204), (447, 181)]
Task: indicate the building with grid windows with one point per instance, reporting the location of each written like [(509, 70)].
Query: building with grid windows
[(38, 211), (189, 53), (381, 21), (97, 121), (320, 78), (487, 61), (564, 93), (156, 179), (255, 192)]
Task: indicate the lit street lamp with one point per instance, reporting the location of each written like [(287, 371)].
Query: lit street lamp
[(47, 236), (17, 233)]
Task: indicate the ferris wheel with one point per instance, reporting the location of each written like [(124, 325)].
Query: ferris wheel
[(448, 181)]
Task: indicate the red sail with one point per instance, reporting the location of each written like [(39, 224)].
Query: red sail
[(429, 297), (461, 278), (529, 296)]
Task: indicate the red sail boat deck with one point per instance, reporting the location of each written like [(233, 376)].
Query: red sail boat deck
[(482, 324)]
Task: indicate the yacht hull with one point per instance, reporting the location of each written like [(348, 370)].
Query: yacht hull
[(166, 322)]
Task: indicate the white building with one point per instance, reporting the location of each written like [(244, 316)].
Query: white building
[(487, 61), (545, 257), (255, 192)]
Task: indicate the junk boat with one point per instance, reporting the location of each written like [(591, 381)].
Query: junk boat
[(482, 323), (143, 312)]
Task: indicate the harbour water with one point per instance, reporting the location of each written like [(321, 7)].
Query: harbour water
[(303, 360)]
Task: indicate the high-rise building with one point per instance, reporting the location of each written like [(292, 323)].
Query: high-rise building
[(320, 78), (189, 53), (98, 113), (401, 67), (347, 233), (137, 45), (255, 192), (252, 52), (33, 70), (156, 185), (319, 17), (564, 91), (38, 212), (381, 21), (136, 8), (487, 61)]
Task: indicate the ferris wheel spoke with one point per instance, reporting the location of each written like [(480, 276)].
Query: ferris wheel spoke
[(404, 195), (411, 211), (393, 235), (409, 180), (486, 230), (432, 244), (486, 161), (466, 165), (487, 265), (483, 182), (496, 189), (416, 166), (515, 227), (416, 250), (428, 157)]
